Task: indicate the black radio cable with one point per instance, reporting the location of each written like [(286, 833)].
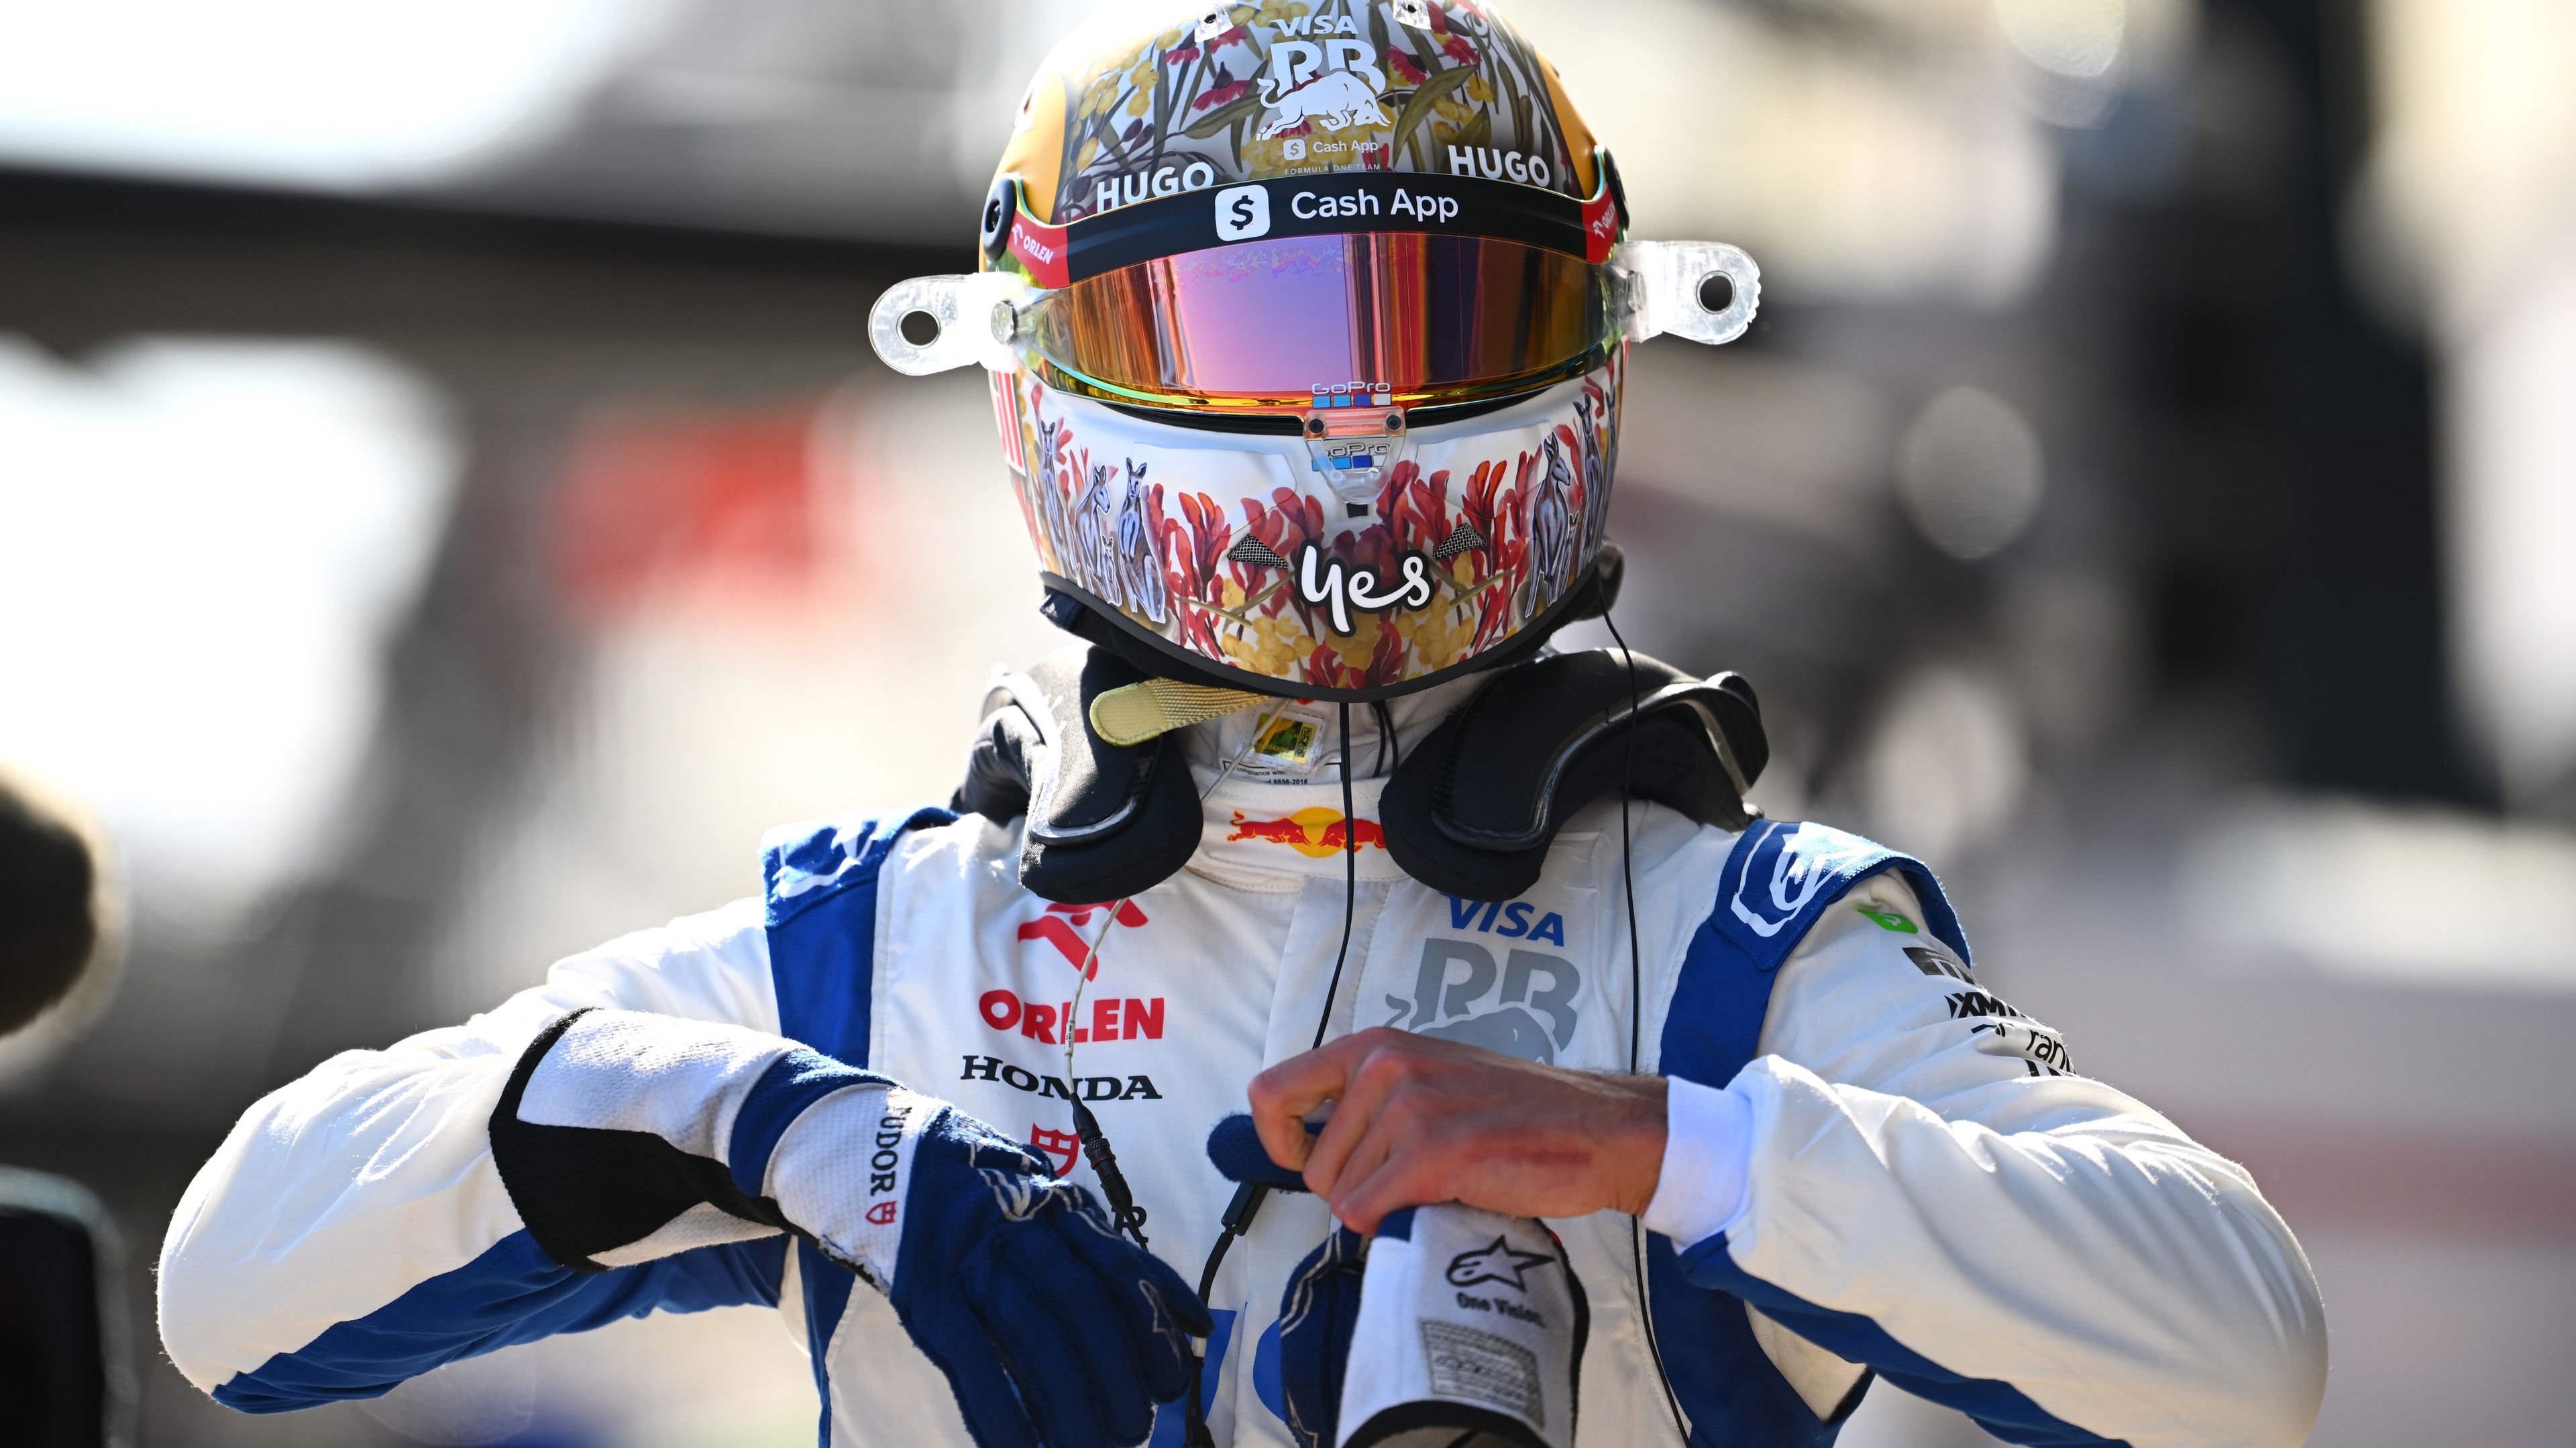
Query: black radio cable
[(1637, 1009), (1350, 881)]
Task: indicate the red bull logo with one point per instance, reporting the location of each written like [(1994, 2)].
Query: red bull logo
[(1315, 832)]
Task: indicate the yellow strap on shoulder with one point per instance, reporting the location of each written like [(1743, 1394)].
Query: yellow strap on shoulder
[(1135, 713)]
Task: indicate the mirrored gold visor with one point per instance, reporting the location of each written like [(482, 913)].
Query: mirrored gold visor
[(1414, 318)]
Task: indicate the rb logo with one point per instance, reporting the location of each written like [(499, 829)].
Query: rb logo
[(1523, 1005)]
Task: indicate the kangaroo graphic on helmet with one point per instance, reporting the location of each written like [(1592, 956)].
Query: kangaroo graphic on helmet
[(1551, 532), (1596, 474), (1059, 529), (1140, 560), (1096, 537), (1333, 100)]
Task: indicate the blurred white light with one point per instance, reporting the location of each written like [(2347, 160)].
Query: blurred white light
[(202, 546), (300, 91), (2472, 184), (1850, 172), (2074, 38), (2473, 157), (1946, 763), (2510, 501), (2416, 896), (1969, 471)]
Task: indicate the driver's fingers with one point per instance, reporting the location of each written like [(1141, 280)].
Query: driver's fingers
[(1387, 1064), (1380, 1182), (1362, 1156), (1282, 1095)]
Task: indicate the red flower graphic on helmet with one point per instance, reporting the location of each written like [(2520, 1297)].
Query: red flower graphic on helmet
[(1218, 95)]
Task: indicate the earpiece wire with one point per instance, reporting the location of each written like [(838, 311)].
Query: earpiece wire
[(1091, 955), (1637, 1004), (1086, 1127)]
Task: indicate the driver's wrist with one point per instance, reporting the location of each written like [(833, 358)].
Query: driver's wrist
[(1638, 1143), (843, 1168)]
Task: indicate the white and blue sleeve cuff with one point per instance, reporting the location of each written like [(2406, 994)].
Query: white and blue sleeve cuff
[(1708, 1146)]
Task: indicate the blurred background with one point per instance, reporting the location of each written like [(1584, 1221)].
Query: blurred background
[(448, 508)]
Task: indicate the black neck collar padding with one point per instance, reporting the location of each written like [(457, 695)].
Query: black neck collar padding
[(1104, 821), (1470, 812)]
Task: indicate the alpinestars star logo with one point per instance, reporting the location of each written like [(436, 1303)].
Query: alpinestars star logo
[(1498, 1261), (1018, 1196)]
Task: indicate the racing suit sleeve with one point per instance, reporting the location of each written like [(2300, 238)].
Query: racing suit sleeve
[(1911, 1176), (354, 1229)]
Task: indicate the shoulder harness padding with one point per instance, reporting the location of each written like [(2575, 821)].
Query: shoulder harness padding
[(1105, 821), (1472, 810)]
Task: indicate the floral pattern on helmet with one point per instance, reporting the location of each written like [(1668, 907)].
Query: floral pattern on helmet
[(1209, 550), (1299, 87)]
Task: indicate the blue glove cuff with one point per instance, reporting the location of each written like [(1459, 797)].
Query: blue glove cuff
[(1235, 1147)]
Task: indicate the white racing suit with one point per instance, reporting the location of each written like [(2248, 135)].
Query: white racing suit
[(1928, 1191)]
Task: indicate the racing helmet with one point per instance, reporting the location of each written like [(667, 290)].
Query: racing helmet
[(1306, 323)]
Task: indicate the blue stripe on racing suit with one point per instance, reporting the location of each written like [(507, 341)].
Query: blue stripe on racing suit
[(513, 1293), (1778, 880), (820, 881)]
